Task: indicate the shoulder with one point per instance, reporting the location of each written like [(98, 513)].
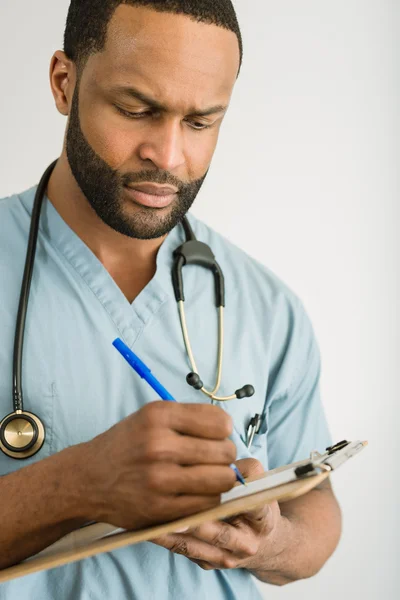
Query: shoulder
[(14, 216), (7, 208), (14, 227), (245, 275)]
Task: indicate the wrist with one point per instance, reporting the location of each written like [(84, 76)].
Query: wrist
[(76, 496)]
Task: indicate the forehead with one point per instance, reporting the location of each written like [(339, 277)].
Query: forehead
[(168, 54)]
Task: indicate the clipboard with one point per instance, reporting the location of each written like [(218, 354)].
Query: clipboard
[(281, 484)]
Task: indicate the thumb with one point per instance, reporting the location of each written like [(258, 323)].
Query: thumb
[(250, 467)]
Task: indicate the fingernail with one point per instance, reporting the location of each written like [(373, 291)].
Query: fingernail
[(181, 530)]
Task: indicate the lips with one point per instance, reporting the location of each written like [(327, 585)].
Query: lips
[(154, 190), (151, 196)]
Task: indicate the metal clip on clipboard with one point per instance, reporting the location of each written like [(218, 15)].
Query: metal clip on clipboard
[(331, 459)]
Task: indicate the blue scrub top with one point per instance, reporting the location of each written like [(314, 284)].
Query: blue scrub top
[(78, 384)]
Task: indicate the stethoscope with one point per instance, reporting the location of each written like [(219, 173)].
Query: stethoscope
[(22, 434)]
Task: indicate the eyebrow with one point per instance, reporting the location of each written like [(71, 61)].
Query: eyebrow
[(138, 95)]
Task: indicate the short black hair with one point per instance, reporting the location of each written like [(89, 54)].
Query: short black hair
[(87, 21)]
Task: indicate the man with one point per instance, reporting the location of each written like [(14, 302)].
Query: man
[(145, 85)]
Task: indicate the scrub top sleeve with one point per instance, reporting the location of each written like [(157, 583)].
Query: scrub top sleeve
[(296, 418)]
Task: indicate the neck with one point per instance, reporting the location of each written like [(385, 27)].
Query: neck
[(131, 262)]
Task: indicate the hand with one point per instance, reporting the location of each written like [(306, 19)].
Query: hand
[(166, 461), (245, 541)]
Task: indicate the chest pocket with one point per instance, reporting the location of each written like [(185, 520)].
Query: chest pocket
[(258, 449), (242, 411)]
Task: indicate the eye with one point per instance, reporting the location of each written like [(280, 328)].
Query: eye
[(198, 126), (134, 115)]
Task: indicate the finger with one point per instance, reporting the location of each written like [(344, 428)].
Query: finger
[(268, 515), (269, 512), (198, 451), (259, 514), (179, 507), (241, 543), (168, 446), (201, 420), (250, 467), (197, 550), (261, 519), (204, 565), (206, 480)]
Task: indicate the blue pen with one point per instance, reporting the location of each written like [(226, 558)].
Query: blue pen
[(146, 374)]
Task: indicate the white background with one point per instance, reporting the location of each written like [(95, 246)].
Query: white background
[(305, 180)]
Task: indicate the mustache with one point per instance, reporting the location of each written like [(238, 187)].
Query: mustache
[(153, 176)]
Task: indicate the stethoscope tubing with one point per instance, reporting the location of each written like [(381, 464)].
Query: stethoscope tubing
[(18, 402)]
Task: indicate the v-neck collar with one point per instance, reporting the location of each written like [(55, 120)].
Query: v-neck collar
[(130, 318)]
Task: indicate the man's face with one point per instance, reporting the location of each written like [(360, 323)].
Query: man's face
[(146, 114)]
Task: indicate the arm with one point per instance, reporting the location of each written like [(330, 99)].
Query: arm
[(178, 465), (40, 504)]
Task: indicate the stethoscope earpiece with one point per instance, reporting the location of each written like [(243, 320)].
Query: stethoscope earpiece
[(194, 380), (21, 435), (245, 392)]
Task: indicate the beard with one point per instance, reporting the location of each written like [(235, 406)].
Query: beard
[(103, 187)]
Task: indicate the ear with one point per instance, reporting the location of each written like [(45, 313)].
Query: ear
[(62, 81)]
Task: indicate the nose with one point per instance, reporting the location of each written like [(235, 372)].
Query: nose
[(163, 145)]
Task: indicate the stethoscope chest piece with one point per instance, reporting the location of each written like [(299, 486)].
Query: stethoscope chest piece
[(21, 435)]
